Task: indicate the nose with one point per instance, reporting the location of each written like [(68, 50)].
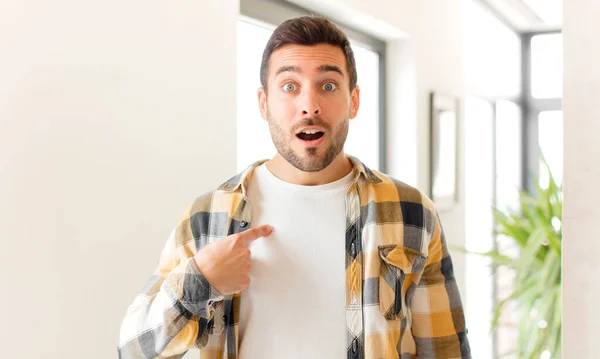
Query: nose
[(310, 103)]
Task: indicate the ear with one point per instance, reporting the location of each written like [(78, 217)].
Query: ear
[(262, 103), (354, 101)]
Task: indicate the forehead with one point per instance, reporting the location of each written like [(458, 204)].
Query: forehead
[(307, 57)]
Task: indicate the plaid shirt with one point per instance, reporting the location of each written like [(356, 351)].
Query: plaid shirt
[(402, 300)]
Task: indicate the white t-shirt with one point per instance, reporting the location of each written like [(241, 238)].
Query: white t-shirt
[(295, 305)]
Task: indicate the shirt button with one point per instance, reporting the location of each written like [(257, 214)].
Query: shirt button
[(243, 224), (354, 345), (225, 318), (352, 249)]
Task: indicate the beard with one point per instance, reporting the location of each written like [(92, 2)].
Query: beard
[(313, 159)]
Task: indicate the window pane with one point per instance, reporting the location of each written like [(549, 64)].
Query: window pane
[(508, 154), (551, 143), (445, 164), (253, 136), (479, 120), (363, 135), (546, 66), (508, 182)]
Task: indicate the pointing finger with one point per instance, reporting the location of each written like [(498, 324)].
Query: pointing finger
[(254, 233)]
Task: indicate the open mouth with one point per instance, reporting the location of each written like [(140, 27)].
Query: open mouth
[(310, 135)]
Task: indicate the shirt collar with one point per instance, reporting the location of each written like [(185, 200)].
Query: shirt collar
[(242, 179)]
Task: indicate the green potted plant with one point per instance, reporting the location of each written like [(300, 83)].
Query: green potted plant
[(535, 230)]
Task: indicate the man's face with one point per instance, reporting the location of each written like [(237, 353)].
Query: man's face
[(309, 104)]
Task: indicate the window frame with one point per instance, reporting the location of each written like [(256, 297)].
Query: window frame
[(531, 108)]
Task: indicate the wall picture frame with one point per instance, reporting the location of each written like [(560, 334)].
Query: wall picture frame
[(444, 124)]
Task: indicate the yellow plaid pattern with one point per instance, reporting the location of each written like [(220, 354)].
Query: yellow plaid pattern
[(402, 300)]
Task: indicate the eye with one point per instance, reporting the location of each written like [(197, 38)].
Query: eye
[(329, 86), (289, 87)]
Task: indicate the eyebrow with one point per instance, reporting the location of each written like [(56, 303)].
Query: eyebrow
[(321, 69), (329, 68)]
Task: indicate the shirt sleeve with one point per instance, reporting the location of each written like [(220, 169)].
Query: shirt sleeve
[(438, 322), (171, 314)]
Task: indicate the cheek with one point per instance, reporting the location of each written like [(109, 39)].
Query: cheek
[(282, 108), (338, 106)]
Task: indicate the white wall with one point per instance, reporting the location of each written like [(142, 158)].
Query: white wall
[(114, 115), (112, 119), (581, 248)]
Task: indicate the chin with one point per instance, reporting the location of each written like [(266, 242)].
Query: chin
[(313, 165)]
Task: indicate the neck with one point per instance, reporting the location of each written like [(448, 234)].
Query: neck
[(282, 169)]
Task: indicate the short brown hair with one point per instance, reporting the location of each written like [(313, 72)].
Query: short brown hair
[(308, 30)]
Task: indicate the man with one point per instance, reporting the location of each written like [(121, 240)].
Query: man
[(345, 262)]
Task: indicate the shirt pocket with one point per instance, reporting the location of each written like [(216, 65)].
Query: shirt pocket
[(399, 267)]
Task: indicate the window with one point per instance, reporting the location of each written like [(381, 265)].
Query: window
[(546, 66), (493, 167), (514, 114), (550, 138), (543, 104), (253, 137), (509, 154), (363, 135), (366, 139), (479, 196), (493, 178)]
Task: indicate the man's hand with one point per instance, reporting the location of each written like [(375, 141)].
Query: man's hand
[(226, 262)]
